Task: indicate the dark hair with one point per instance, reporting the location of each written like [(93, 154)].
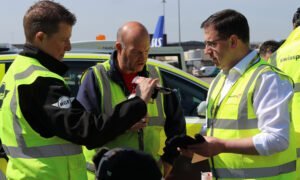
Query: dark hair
[(269, 46), (125, 163), (45, 16), (228, 22), (296, 18)]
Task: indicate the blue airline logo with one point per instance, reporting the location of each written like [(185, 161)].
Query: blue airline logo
[(157, 39)]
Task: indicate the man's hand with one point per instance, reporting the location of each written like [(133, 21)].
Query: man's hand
[(214, 146), (145, 87), (139, 125), (167, 168), (211, 147)]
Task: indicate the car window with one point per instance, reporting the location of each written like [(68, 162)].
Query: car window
[(76, 68), (4, 65), (189, 93), (72, 76), (172, 60)]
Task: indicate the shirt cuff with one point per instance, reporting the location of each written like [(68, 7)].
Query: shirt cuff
[(268, 144)]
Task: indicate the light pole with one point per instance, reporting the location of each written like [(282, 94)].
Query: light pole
[(179, 31), (164, 2)]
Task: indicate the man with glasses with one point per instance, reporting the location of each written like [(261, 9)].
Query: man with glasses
[(249, 130), (110, 82)]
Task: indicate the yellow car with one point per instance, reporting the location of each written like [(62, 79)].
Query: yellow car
[(191, 90)]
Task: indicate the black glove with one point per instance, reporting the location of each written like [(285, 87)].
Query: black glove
[(199, 138), (183, 141), (155, 93)]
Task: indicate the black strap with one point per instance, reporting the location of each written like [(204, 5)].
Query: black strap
[(141, 139), (2, 152)]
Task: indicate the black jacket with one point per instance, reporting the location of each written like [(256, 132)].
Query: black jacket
[(89, 95), (37, 103)]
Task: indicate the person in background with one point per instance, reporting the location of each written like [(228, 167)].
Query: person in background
[(249, 129), (267, 48), (42, 126), (108, 83), (296, 19), (286, 58)]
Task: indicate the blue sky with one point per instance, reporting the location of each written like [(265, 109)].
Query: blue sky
[(268, 19)]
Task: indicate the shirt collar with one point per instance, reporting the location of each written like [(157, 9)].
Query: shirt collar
[(115, 75), (241, 66)]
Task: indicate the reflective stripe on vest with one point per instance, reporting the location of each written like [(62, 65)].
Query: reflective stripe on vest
[(34, 152), (153, 121), (43, 151), (256, 172), (2, 176), (242, 122), (154, 74)]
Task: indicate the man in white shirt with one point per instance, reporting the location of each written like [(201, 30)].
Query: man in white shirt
[(249, 131)]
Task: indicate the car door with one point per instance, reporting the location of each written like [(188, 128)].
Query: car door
[(190, 94), (76, 69), (191, 91)]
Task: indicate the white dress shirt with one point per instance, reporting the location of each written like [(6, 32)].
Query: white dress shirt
[(270, 104)]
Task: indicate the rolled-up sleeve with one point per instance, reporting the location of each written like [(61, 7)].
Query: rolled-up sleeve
[(271, 105)]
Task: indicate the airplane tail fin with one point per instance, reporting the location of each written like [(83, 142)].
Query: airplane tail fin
[(157, 39)]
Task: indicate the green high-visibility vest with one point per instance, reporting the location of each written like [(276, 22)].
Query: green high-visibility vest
[(235, 118), (112, 94), (287, 58), (30, 155)]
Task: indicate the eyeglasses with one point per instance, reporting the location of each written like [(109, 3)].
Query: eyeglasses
[(213, 43)]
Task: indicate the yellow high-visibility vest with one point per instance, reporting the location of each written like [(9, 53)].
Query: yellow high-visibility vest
[(234, 118), (30, 155), (287, 58), (112, 94)]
